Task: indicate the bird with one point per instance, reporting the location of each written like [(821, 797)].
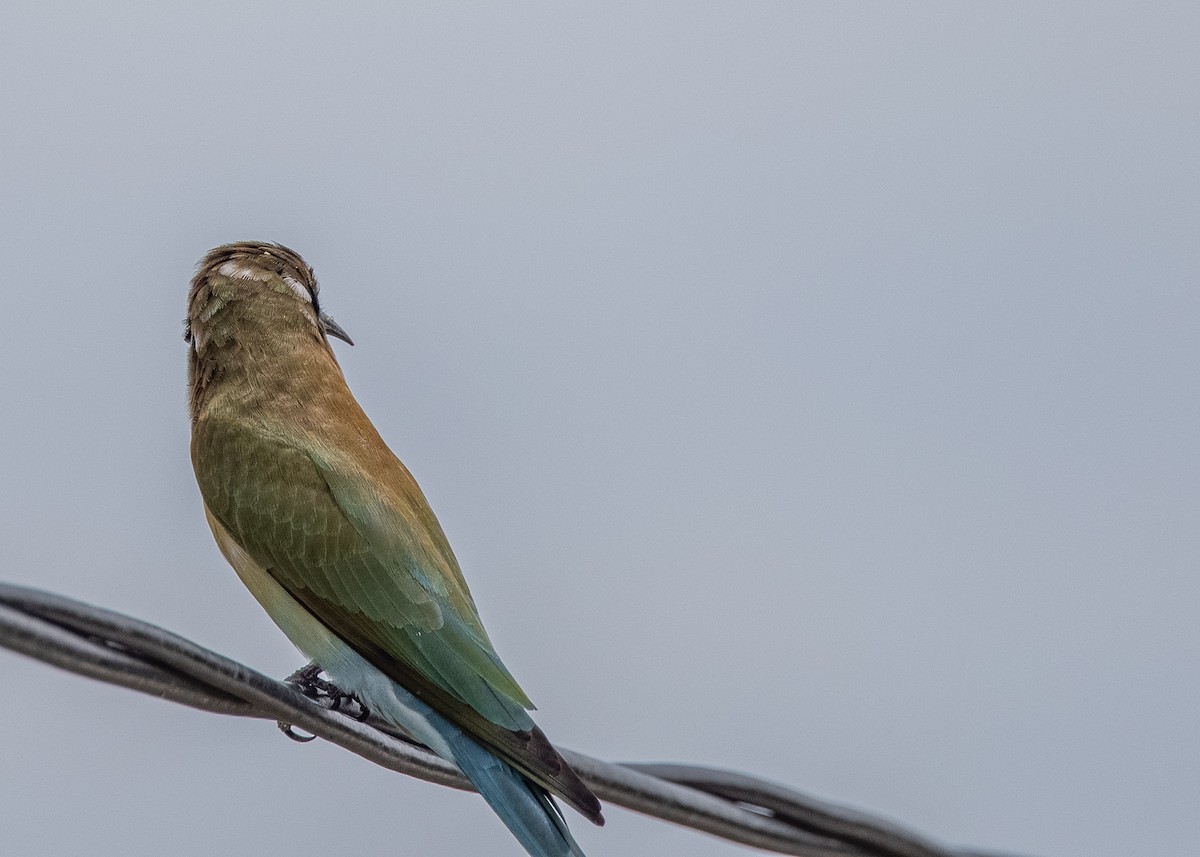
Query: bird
[(332, 535)]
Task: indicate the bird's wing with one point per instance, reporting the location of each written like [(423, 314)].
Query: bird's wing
[(374, 568)]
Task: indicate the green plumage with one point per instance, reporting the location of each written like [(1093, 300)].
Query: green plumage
[(311, 528)]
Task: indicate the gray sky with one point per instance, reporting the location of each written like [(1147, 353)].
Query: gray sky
[(806, 389)]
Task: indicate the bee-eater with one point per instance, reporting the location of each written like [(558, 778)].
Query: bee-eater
[(332, 535)]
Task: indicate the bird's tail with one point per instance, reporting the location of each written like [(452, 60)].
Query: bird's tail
[(524, 807)]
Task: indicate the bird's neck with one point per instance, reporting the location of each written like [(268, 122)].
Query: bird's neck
[(256, 365)]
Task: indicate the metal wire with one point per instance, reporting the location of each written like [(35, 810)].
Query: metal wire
[(124, 651)]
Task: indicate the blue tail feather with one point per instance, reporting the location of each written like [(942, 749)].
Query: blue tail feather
[(524, 807)]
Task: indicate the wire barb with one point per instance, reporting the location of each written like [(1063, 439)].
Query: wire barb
[(121, 650)]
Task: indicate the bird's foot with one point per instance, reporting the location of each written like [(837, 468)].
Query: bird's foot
[(307, 680), (350, 705)]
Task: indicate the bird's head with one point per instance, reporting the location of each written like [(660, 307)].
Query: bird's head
[(254, 289)]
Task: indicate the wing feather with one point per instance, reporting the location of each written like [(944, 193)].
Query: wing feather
[(377, 571)]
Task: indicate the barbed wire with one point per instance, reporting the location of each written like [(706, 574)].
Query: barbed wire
[(121, 650)]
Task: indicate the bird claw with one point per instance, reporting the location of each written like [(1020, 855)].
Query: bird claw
[(348, 704), (307, 680)]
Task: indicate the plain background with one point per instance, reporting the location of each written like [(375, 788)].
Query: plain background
[(807, 389)]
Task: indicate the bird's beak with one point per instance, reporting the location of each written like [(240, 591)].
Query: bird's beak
[(332, 328)]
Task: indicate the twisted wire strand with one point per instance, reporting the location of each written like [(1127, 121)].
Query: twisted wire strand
[(128, 652)]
